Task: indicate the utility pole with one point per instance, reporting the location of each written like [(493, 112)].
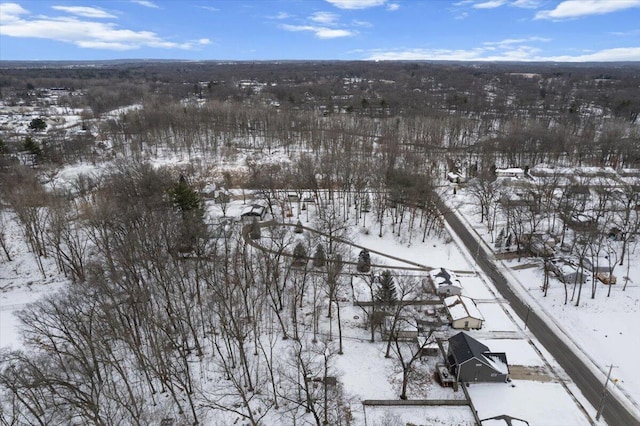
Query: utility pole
[(604, 392)]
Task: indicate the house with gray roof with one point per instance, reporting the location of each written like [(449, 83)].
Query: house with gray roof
[(471, 361)]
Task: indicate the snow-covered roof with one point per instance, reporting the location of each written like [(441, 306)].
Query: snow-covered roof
[(460, 307), (513, 171), (465, 347), (586, 173), (444, 277), (496, 362), (253, 210)]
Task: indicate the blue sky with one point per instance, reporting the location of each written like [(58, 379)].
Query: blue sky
[(507, 30)]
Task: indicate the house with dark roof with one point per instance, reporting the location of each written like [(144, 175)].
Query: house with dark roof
[(471, 361), (445, 282), (254, 211)]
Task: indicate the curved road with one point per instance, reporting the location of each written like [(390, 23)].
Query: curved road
[(614, 413)]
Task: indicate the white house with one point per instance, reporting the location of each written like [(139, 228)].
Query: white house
[(514, 172), (463, 312), (445, 282)]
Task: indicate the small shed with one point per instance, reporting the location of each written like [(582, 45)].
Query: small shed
[(405, 329), (428, 346), (445, 282), (567, 270), (471, 361), (463, 312), (601, 265), (453, 177), (569, 274)]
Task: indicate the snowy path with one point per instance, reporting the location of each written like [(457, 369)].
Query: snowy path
[(414, 265)]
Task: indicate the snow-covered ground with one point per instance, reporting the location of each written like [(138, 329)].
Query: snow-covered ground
[(536, 402), (363, 369), (367, 374), (22, 283), (603, 328)]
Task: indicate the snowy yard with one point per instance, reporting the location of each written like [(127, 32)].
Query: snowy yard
[(604, 328)]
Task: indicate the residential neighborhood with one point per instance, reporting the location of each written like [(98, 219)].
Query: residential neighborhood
[(377, 243)]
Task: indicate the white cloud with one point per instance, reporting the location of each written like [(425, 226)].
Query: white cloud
[(204, 41), (10, 12), (333, 33), (626, 33), (520, 53), (356, 4), (512, 49), (511, 41), (280, 15), (463, 15), (17, 22), (325, 25), (326, 18), (210, 8), (576, 8), (392, 7), (491, 4), (87, 12), (319, 32), (420, 54), (527, 4), (617, 54), (146, 3), (359, 23), (493, 53)]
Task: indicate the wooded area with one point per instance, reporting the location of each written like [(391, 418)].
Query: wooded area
[(166, 315)]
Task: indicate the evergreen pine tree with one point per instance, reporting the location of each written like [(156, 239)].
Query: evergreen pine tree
[(366, 204), (33, 147), (38, 124), (254, 230), (364, 261), (187, 201), (184, 197), (386, 292), (299, 255), (319, 257), (298, 229)]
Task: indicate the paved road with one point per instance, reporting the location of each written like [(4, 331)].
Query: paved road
[(614, 413)]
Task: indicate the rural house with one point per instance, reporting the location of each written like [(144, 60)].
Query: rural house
[(445, 282), (513, 172), (463, 312), (471, 361), (254, 210)]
